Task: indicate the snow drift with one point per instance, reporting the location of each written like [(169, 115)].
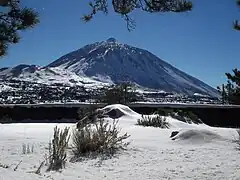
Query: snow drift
[(119, 110), (122, 112), (197, 135), (188, 131)]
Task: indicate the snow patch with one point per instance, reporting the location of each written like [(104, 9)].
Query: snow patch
[(4, 87), (197, 135), (60, 76), (125, 110)]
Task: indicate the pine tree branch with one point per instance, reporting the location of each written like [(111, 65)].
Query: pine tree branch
[(125, 7), (238, 3), (236, 25), (12, 21), (4, 18)]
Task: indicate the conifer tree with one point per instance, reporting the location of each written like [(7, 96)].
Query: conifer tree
[(122, 93), (223, 94), (231, 91), (13, 19), (125, 7), (236, 23)]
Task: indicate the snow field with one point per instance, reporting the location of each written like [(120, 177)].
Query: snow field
[(198, 152)]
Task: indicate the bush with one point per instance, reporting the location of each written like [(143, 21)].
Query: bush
[(88, 116), (6, 119), (164, 112), (180, 114), (122, 93), (26, 149), (57, 149), (155, 121), (186, 116), (194, 117), (82, 112), (99, 138)]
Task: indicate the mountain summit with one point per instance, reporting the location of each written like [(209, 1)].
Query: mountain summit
[(113, 40), (111, 61)]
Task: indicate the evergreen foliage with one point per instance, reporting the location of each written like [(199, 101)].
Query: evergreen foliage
[(123, 93), (236, 23), (231, 91), (125, 7), (13, 19)]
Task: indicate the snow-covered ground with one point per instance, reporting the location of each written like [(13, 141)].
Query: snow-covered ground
[(58, 75), (198, 152), (4, 87)]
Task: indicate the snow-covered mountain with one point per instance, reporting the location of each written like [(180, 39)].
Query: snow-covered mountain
[(108, 62), (111, 61)]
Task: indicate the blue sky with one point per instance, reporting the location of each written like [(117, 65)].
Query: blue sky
[(202, 42)]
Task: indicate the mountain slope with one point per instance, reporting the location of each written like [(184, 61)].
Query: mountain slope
[(111, 61), (15, 72), (49, 76)]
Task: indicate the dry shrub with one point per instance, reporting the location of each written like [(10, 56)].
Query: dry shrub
[(99, 138), (155, 121), (57, 149)]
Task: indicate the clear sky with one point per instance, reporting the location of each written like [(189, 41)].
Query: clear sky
[(202, 42)]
